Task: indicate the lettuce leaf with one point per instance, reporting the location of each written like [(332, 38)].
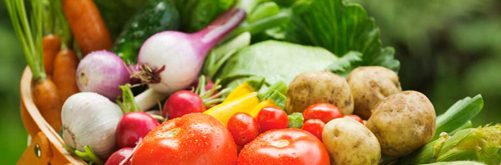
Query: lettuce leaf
[(340, 27)]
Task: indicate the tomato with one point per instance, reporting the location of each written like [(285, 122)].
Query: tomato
[(243, 127), (272, 117), (284, 146), (118, 156), (354, 117), (323, 111), (195, 138), (315, 127), (182, 103)]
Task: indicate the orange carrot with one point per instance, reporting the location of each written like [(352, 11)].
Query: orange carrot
[(50, 45), (87, 25), (65, 69), (48, 102)]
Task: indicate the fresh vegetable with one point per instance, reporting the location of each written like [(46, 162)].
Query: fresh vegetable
[(65, 71), (191, 139), (280, 62), (154, 17), (218, 55), (87, 25), (197, 14), (245, 103), (370, 85), (323, 111), (90, 119), (344, 27), (243, 127), (403, 122), (133, 127), (349, 142), (182, 103), (319, 87), (480, 144), (272, 117), (113, 13), (51, 45), (172, 60), (119, 156), (354, 117), (102, 72), (458, 114), (284, 146), (296, 120), (315, 127), (245, 88), (29, 32), (87, 155)]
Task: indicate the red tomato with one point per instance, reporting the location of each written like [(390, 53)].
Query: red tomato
[(354, 117), (189, 140), (182, 103), (118, 156), (315, 127), (323, 111), (272, 117), (284, 146), (243, 127)]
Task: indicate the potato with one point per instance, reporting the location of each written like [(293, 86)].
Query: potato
[(350, 142), (369, 85), (319, 87), (403, 122)]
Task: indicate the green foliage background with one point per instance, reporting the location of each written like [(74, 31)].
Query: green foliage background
[(448, 49)]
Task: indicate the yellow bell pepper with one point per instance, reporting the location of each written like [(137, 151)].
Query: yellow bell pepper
[(255, 111), (225, 110), (241, 90)]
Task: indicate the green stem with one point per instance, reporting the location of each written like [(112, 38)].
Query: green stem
[(262, 25), (128, 103)]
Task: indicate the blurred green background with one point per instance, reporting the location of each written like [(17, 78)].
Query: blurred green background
[(448, 49)]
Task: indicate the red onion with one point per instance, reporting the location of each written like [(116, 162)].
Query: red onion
[(102, 72)]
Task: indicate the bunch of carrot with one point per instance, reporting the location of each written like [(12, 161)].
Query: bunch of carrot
[(50, 58)]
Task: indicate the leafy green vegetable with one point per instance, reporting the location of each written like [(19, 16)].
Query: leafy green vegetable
[(197, 14), (345, 64), (340, 27), (457, 163), (275, 61), (458, 114), (296, 120), (221, 54)]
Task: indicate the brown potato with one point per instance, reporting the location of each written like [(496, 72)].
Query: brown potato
[(350, 142), (403, 122), (369, 85), (319, 87)]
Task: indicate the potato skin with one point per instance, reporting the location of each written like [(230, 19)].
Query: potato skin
[(403, 122), (350, 142), (313, 87), (369, 85)]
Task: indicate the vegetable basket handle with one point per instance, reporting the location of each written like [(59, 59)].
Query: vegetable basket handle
[(46, 146)]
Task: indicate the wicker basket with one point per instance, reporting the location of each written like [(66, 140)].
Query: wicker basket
[(45, 145)]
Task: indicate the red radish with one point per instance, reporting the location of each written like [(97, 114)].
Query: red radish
[(132, 127), (182, 103), (354, 117), (315, 127), (118, 156), (102, 72), (170, 61)]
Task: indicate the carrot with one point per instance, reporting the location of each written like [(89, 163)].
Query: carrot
[(65, 69), (87, 25), (48, 101), (29, 32), (51, 45)]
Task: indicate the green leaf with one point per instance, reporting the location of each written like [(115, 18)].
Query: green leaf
[(340, 27), (275, 61), (346, 63), (457, 163), (197, 14), (458, 114)]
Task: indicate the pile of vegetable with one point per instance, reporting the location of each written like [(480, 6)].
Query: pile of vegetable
[(234, 82)]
